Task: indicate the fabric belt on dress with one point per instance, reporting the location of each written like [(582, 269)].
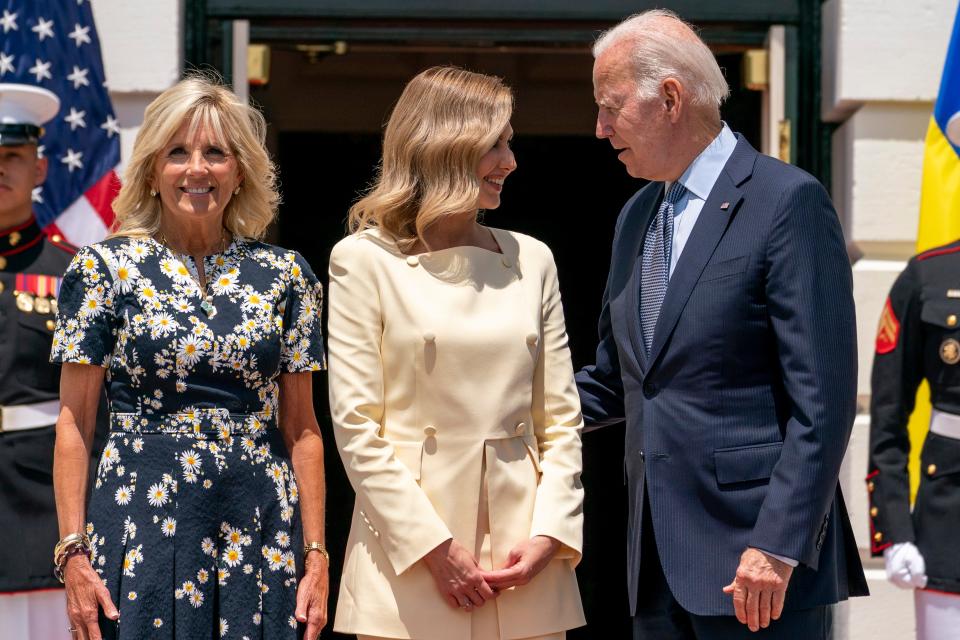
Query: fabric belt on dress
[(219, 422), (945, 424), (29, 416)]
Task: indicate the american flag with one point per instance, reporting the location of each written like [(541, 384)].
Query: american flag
[(54, 44)]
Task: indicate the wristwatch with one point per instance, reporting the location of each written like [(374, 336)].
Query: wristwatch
[(316, 546)]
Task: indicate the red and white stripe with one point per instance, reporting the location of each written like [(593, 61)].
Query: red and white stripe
[(90, 217)]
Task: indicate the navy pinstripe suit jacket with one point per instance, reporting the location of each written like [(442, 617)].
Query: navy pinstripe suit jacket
[(737, 422)]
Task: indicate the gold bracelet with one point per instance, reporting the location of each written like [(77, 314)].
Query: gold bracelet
[(71, 540), (69, 545), (316, 546)]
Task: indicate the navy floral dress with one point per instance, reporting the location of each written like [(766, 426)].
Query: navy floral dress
[(194, 516)]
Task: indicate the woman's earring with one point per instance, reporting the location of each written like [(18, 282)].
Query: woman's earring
[(153, 193), (236, 191)]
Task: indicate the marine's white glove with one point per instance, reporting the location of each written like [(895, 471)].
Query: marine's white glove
[(905, 566)]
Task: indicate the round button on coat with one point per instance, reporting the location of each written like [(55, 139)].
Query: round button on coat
[(429, 431), (413, 261)]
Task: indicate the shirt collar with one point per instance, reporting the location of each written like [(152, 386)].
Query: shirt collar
[(703, 172)]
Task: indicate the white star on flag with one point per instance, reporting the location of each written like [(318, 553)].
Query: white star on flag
[(8, 21), (72, 159), (79, 77), (6, 63), (41, 69), (43, 29), (80, 34), (36, 195), (111, 126), (76, 119)]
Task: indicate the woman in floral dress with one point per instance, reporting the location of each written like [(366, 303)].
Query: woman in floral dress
[(206, 339)]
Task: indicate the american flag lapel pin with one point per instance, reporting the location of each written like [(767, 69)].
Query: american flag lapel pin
[(724, 206)]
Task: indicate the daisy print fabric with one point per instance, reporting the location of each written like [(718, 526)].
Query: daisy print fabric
[(194, 515)]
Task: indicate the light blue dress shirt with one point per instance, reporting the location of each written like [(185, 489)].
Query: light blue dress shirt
[(699, 179)]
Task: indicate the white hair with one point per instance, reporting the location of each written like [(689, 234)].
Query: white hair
[(657, 54)]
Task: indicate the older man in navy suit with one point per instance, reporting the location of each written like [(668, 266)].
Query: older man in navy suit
[(728, 344)]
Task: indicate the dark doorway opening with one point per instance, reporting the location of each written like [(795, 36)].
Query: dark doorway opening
[(567, 191)]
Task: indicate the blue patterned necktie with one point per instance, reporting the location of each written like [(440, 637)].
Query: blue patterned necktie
[(656, 263)]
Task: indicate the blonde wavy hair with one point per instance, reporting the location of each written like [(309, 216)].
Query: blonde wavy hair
[(202, 101), (443, 123)]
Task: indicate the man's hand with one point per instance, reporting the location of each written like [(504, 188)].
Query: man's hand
[(759, 589), (905, 566)]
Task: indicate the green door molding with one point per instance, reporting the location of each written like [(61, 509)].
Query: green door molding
[(769, 11)]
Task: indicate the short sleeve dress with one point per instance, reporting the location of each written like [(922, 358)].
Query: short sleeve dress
[(194, 515)]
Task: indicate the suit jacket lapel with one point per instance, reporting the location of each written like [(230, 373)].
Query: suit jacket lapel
[(706, 233), (644, 212)]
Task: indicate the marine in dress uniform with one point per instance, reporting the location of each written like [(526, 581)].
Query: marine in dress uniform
[(919, 338), (31, 266)]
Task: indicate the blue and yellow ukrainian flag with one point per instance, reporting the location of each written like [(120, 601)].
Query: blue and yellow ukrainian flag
[(940, 191), (939, 203)]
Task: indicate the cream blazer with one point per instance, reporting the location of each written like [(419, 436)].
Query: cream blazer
[(450, 374)]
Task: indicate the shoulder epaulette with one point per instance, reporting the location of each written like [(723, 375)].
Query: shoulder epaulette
[(57, 240), (953, 247)]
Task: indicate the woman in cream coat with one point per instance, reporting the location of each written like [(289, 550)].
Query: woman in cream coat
[(452, 389)]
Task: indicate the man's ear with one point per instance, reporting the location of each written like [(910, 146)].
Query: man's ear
[(672, 98), (42, 164)]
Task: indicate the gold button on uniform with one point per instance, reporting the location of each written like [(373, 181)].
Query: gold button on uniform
[(931, 469), (14, 238), (2, 287), (878, 536), (57, 237), (51, 325), (3, 262), (413, 261), (874, 511), (870, 486), (951, 320)]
